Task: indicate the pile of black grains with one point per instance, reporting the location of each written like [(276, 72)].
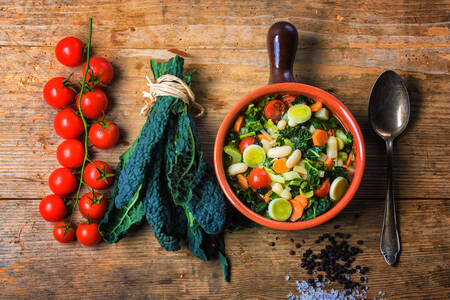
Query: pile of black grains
[(334, 261)]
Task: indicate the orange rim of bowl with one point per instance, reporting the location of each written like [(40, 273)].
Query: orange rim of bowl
[(339, 111)]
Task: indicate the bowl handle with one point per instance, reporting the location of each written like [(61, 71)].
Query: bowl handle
[(282, 41)]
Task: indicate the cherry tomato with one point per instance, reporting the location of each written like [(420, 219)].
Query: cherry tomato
[(88, 234), (64, 232), (56, 94), (69, 51), (52, 208), (98, 175), (93, 104), (258, 178), (70, 154), (62, 181), (68, 125), (287, 100), (245, 143), (93, 207), (104, 134), (99, 65), (324, 188), (274, 109)]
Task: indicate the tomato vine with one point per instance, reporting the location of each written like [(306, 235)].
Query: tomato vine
[(86, 157)]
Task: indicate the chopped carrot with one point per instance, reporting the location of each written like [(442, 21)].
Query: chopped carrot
[(329, 163), (320, 137), (238, 124), (349, 160), (287, 100), (316, 106), (331, 132), (262, 137), (303, 200), (323, 189), (297, 210), (242, 181), (279, 166), (267, 196)]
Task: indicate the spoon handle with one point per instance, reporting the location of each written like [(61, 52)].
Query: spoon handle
[(390, 241)]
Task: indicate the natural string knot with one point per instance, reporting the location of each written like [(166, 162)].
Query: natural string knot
[(170, 85)]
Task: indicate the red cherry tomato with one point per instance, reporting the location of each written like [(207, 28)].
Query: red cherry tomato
[(287, 100), (104, 134), (98, 175), (62, 181), (70, 154), (245, 143), (93, 104), (88, 234), (69, 51), (324, 188), (258, 178), (274, 109), (99, 65), (63, 232), (52, 208), (93, 207), (56, 94), (67, 124)]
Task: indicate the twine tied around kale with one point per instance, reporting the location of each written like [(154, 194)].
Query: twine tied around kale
[(169, 85)]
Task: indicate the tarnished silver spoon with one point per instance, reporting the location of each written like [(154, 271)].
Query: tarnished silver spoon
[(389, 115)]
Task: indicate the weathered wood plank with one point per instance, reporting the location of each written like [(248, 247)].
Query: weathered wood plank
[(137, 267)]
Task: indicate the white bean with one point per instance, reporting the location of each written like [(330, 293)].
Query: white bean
[(278, 152), (322, 114), (312, 129), (292, 123), (237, 168), (286, 194), (277, 188), (332, 147), (281, 124), (266, 145), (294, 158)]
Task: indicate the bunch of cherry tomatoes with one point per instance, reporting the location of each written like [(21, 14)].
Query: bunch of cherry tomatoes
[(70, 124)]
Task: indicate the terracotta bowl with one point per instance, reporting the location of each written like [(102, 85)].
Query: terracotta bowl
[(282, 44)]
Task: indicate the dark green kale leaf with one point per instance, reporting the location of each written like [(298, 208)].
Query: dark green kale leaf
[(132, 175), (117, 222), (314, 152), (333, 123), (316, 123), (299, 135), (303, 100), (349, 144), (160, 212), (317, 208), (208, 205), (251, 199), (312, 170), (336, 172)]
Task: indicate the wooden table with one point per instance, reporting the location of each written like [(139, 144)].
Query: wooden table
[(343, 47)]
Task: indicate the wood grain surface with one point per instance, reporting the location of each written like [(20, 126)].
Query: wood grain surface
[(343, 47)]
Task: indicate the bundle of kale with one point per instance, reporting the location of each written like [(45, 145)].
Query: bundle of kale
[(164, 179)]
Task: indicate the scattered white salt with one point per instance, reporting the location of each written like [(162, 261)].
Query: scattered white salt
[(317, 290)]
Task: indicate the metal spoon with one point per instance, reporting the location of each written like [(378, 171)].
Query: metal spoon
[(389, 115)]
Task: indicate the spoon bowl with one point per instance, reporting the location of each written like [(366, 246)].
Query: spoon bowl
[(389, 116), (389, 105)]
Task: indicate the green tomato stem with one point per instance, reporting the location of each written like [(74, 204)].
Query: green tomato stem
[(83, 86)]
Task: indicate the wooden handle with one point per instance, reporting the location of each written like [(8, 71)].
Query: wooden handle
[(282, 41)]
